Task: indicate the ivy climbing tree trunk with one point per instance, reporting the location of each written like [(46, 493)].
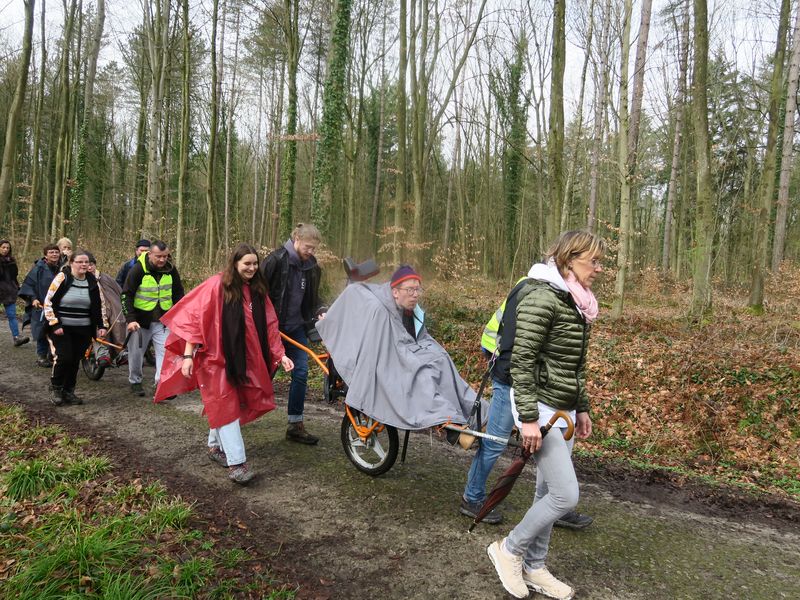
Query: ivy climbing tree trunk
[(14, 115), (333, 109)]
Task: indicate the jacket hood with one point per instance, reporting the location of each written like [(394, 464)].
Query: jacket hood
[(549, 274), (294, 258)]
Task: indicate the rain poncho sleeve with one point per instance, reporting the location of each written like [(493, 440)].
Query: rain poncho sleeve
[(197, 318), (400, 382)]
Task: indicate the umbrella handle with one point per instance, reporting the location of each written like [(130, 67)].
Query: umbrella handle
[(560, 414)]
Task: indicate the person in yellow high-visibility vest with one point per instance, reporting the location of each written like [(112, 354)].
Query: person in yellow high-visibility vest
[(151, 288)]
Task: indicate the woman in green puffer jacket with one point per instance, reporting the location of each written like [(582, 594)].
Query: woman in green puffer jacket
[(554, 316)]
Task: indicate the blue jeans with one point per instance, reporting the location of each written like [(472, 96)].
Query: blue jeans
[(11, 313), (297, 389), (500, 424)]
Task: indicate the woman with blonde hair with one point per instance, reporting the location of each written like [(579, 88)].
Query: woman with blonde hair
[(554, 317)]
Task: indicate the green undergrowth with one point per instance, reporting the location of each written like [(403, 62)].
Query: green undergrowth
[(69, 529)]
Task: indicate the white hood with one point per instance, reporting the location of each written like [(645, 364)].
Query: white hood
[(549, 274)]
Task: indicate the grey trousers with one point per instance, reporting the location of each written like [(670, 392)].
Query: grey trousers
[(137, 344), (556, 494)]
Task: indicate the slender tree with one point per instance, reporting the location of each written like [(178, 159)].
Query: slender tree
[(14, 115), (766, 185), (787, 153), (555, 137), (680, 111), (704, 206)]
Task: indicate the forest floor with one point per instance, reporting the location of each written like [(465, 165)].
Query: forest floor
[(333, 532)]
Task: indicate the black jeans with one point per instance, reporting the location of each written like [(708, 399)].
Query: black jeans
[(70, 348)]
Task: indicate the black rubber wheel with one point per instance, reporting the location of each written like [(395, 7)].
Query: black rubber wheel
[(375, 455), (150, 355), (92, 369)]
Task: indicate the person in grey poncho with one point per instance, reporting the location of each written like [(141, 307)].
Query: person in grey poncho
[(395, 371)]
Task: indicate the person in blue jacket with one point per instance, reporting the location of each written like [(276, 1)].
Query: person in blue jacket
[(33, 291), (141, 246), (9, 286)]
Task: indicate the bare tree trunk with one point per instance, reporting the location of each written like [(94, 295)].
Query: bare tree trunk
[(257, 148), (212, 140), (680, 109), (600, 104), (62, 150), (766, 185), (376, 193), (37, 135), (12, 124), (157, 35), (402, 131), (788, 149), (183, 168), (292, 35), (573, 163), (704, 207), (555, 137), (232, 101), (622, 167)]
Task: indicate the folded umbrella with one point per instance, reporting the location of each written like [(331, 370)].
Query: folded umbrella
[(507, 480)]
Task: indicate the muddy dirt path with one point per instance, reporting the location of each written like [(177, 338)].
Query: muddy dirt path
[(340, 534)]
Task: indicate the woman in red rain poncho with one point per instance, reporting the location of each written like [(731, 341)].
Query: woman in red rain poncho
[(224, 340)]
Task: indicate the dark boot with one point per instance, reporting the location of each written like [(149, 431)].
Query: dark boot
[(57, 395), (20, 340), (44, 362), (574, 520), (296, 432), (70, 397)]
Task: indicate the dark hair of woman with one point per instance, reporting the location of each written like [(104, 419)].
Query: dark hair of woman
[(232, 282), (10, 248), (78, 253)]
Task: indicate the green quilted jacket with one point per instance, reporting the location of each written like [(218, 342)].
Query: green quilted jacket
[(549, 354)]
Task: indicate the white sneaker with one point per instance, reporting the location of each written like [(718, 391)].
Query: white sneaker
[(509, 569), (543, 582)]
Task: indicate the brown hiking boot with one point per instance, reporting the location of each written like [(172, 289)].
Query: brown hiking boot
[(296, 432), (21, 340), (240, 474), (217, 455)]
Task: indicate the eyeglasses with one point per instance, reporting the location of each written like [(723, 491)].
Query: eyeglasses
[(413, 291), (594, 262)]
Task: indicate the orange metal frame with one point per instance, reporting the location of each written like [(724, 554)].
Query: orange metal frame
[(363, 432), (89, 350)]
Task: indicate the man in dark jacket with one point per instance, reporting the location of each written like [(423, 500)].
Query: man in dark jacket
[(293, 276), (33, 291), (151, 288), (141, 246)]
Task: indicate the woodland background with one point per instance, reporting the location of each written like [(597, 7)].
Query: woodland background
[(411, 129), (462, 135)]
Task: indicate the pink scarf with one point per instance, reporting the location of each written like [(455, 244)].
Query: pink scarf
[(583, 297)]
